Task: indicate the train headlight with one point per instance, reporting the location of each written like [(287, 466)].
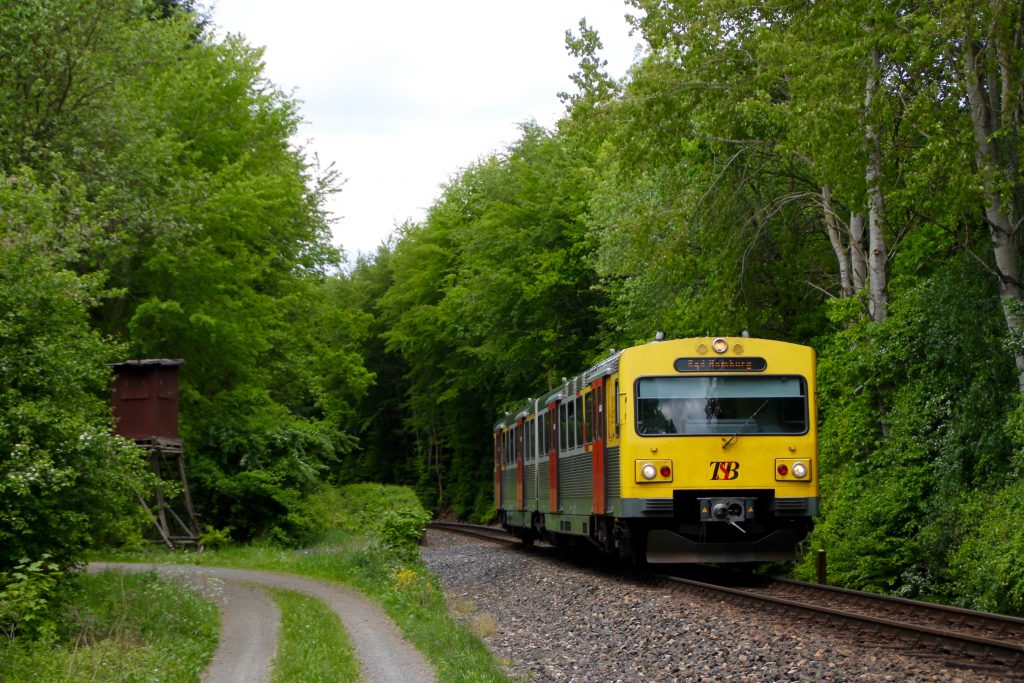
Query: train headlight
[(720, 345), (793, 469), (648, 471)]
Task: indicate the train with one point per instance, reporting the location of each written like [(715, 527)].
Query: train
[(696, 450)]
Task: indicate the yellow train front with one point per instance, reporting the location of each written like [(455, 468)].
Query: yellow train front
[(689, 450)]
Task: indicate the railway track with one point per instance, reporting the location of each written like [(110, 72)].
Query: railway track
[(488, 533), (990, 643)]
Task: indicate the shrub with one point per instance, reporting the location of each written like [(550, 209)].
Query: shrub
[(988, 565), (401, 529), (26, 605)]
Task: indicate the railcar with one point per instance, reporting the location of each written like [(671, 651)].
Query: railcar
[(677, 451)]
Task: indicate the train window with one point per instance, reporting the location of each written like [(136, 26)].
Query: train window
[(563, 423), (545, 433), (591, 423), (570, 425), (579, 420), (721, 405), (526, 440), (531, 445)]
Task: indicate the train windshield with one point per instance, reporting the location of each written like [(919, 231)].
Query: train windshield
[(721, 405)]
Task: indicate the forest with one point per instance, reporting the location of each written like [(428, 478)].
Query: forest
[(841, 174)]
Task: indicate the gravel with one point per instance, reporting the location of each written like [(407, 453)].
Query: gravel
[(547, 620)]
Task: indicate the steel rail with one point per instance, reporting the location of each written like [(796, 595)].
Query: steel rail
[(489, 533), (975, 618), (1006, 653)]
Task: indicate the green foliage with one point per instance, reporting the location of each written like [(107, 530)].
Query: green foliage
[(401, 530), (26, 595), (65, 481), (391, 515), (907, 430), (151, 204), (120, 627), (215, 538), (150, 195), (503, 249), (988, 566)]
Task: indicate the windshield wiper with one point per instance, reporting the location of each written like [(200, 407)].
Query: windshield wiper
[(732, 438)]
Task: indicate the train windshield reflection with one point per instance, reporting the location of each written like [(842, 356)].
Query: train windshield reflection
[(695, 406)]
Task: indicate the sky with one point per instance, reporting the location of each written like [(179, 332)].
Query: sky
[(402, 95)]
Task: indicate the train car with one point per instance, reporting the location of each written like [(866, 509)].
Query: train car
[(688, 450)]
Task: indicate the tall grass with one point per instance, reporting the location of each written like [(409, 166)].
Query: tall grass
[(119, 627)]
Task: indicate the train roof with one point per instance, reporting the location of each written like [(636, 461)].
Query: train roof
[(569, 387)]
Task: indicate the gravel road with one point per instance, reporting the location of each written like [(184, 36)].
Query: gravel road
[(551, 621), (385, 657)]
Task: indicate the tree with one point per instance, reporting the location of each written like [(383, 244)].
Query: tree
[(66, 483), (993, 73), (168, 154), (491, 299)]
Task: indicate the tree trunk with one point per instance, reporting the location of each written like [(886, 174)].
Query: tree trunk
[(878, 280), (836, 238), (858, 258), (995, 108)]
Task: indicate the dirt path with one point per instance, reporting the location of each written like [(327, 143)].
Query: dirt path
[(385, 657)]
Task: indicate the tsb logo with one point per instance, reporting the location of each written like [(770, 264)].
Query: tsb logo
[(726, 470)]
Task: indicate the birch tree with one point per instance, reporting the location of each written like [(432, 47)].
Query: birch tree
[(993, 77)]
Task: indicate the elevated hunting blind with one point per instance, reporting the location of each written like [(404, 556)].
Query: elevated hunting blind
[(145, 404)]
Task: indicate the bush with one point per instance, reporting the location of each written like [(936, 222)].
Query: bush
[(401, 529), (988, 565), (911, 417), (26, 606), (389, 514)]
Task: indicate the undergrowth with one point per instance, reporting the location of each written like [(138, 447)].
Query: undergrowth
[(118, 627)]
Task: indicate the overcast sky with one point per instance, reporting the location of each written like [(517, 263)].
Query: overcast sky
[(401, 95)]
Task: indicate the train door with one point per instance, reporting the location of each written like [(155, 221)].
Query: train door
[(498, 461), (553, 456), (520, 494), (595, 423)]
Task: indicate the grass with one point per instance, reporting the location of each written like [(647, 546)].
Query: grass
[(313, 644), (119, 627)]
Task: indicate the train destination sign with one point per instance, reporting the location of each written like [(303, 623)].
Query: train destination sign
[(739, 364)]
